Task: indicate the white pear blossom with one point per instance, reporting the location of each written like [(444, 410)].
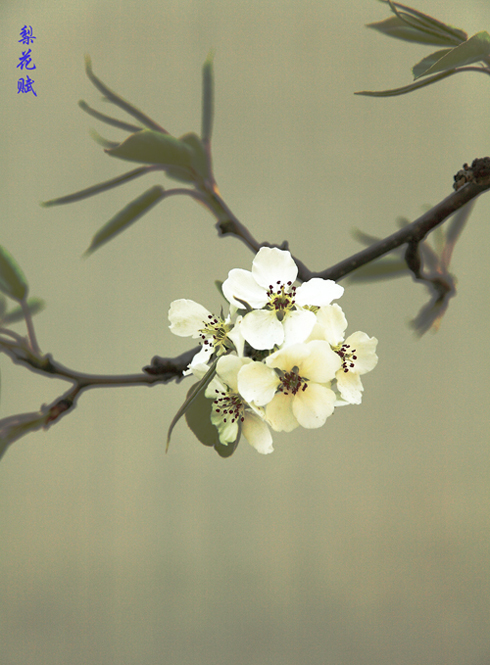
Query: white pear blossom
[(280, 313), (190, 319), (293, 385), (357, 352), (231, 411), (283, 363)]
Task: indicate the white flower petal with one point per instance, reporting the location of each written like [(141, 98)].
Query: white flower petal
[(333, 322), (288, 357), (228, 431), (187, 318), (321, 364), (255, 430), (318, 292), (261, 329), (298, 325), (311, 407), (227, 369), (199, 360), (241, 284), (272, 265), (279, 413), (350, 386), (365, 347), (257, 383), (236, 336)]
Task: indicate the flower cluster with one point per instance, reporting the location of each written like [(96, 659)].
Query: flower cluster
[(282, 359)]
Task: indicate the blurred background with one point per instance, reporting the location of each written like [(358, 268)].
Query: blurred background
[(364, 542)]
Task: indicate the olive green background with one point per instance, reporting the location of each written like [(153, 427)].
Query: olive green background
[(364, 542)]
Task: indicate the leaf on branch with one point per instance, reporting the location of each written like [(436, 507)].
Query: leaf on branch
[(473, 50), (192, 395), (408, 88), (399, 29), (12, 280), (414, 26), (119, 101), (97, 189), (34, 305), (152, 147), (198, 418), (207, 99), (436, 276), (105, 143), (421, 67), (126, 217), (199, 159), (107, 119)]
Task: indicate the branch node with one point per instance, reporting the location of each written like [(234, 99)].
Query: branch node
[(478, 173)]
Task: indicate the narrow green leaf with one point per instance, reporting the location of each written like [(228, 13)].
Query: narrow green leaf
[(473, 50), (101, 187), (426, 63), (398, 29), (107, 119), (191, 396), (198, 418), (427, 24), (199, 159), (105, 143), (126, 217), (152, 147), (207, 99), (421, 83), (12, 280), (34, 305), (119, 101)]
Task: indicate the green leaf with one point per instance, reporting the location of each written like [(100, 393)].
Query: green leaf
[(126, 217), (12, 280), (426, 63), (199, 159), (426, 26), (34, 305), (473, 50), (119, 101), (207, 99), (101, 187), (105, 143), (198, 418), (152, 147), (180, 174), (421, 83), (398, 29), (107, 119), (191, 396)]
